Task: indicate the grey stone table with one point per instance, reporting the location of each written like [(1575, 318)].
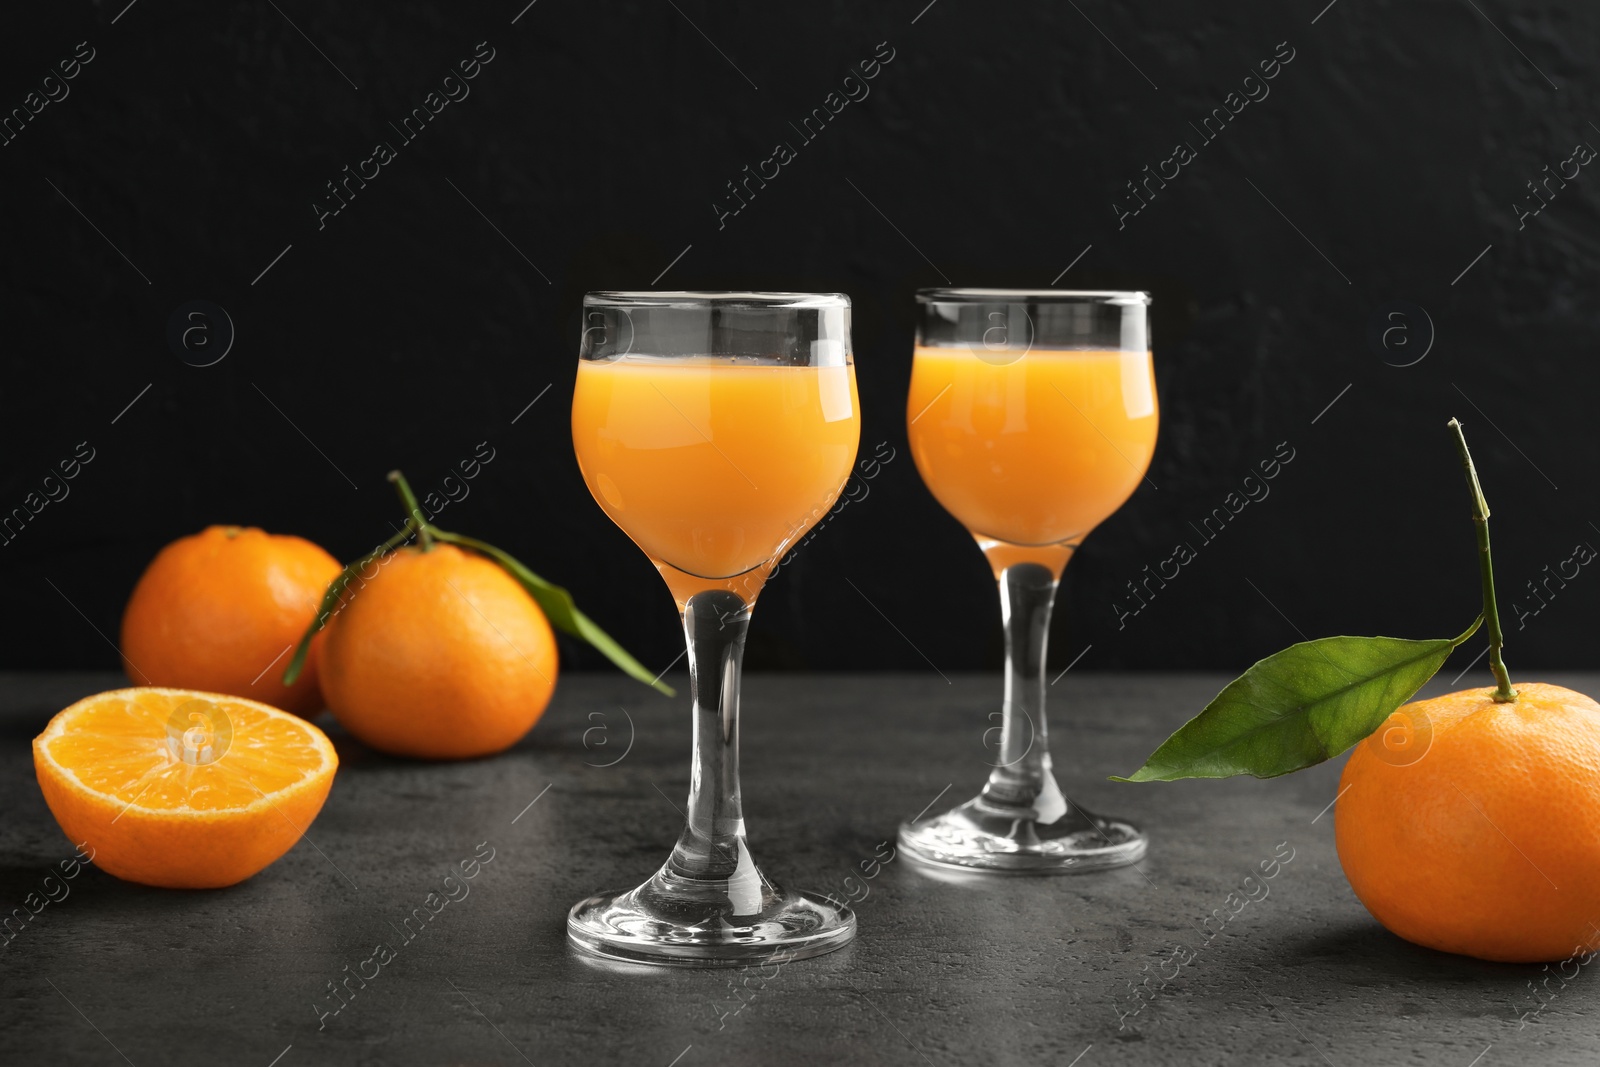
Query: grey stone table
[(1007, 970)]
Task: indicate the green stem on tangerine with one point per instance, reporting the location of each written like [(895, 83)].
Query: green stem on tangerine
[(1503, 693), (409, 500), (1459, 641)]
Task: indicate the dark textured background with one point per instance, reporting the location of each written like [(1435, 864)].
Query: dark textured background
[(1390, 152)]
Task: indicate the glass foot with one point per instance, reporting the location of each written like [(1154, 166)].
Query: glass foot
[(675, 921), (982, 835)]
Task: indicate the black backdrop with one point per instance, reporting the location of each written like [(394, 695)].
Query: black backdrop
[(1377, 180)]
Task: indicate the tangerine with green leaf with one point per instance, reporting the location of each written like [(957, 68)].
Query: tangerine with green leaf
[(1468, 823)]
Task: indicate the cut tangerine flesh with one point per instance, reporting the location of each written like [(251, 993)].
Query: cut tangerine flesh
[(180, 788)]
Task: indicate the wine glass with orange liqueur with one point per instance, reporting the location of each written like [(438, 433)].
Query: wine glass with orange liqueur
[(1032, 418), (715, 429)]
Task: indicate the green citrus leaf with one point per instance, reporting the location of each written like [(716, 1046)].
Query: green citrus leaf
[(1298, 707)]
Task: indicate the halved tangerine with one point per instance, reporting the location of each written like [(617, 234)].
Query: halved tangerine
[(179, 788)]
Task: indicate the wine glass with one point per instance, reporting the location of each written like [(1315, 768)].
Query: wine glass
[(1032, 417), (715, 429)]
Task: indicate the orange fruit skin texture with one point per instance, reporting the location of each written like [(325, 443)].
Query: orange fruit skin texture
[(440, 655), (177, 826), (1489, 844), (214, 609)]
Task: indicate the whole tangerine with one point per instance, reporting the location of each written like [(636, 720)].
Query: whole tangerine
[(216, 610), (440, 654), (1486, 841)]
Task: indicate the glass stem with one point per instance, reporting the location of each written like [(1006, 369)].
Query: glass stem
[(712, 848), (1023, 779)]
